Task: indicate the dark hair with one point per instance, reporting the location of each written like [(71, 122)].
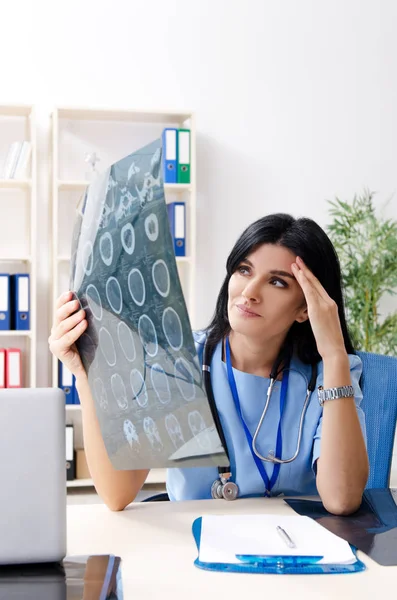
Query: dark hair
[(306, 239)]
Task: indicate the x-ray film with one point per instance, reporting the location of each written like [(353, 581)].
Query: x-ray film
[(138, 349)]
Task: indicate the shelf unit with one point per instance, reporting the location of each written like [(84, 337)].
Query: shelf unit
[(112, 134), (156, 476), (19, 229)]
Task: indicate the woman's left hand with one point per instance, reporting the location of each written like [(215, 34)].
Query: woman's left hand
[(322, 311)]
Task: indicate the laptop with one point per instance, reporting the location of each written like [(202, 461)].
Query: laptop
[(32, 476)]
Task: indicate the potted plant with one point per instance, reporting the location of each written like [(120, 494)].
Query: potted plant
[(367, 250)]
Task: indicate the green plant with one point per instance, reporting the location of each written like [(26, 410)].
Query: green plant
[(367, 250)]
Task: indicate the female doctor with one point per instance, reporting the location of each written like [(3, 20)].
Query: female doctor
[(279, 315)]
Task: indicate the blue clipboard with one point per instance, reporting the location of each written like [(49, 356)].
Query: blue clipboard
[(281, 565)]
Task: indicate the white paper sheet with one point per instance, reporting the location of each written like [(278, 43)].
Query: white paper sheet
[(224, 536)]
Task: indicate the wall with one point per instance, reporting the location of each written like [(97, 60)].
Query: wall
[(295, 100)]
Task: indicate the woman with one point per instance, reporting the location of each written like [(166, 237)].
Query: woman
[(281, 298)]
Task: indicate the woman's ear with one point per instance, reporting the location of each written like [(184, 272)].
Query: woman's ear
[(303, 315)]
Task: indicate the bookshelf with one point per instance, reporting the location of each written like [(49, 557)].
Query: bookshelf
[(18, 231), (111, 134)]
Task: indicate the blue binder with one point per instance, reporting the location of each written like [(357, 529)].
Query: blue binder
[(20, 294), (281, 565), (5, 312), (177, 219), (170, 153), (66, 383)]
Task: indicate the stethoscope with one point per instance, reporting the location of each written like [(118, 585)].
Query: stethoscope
[(222, 487)]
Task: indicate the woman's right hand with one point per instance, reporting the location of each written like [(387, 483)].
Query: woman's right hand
[(68, 326)]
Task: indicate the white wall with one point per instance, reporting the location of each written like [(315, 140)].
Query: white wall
[(295, 101)]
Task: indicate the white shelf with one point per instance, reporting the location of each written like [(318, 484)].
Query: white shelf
[(15, 183), (177, 187), (17, 259), (155, 476), (64, 185), (15, 110), (134, 116), (72, 185), (15, 333), (74, 483)]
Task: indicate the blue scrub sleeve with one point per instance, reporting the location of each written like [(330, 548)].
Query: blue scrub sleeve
[(356, 368)]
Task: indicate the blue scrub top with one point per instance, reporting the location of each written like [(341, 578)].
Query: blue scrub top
[(295, 478)]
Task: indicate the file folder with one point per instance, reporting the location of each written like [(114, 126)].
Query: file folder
[(170, 163), (5, 312), (20, 295), (177, 219), (70, 462), (2, 368), (13, 368), (66, 383), (183, 156)]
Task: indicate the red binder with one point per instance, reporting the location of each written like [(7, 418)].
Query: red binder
[(13, 368), (2, 368)]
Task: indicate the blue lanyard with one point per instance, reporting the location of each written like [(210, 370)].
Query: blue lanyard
[(269, 484)]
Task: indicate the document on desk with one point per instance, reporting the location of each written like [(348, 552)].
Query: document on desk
[(225, 536)]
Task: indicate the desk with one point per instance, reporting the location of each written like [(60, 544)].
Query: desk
[(157, 549)]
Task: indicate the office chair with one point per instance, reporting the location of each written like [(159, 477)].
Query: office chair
[(379, 387), (163, 497)]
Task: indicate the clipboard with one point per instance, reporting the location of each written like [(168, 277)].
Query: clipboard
[(280, 565)]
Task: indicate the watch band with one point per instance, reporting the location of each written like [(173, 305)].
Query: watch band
[(345, 391)]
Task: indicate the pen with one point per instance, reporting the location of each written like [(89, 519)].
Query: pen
[(284, 536)]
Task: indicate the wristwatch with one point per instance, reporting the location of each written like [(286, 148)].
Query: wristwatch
[(346, 391)]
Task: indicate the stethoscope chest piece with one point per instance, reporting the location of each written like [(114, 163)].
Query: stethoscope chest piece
[(228, 490), (216, 490)]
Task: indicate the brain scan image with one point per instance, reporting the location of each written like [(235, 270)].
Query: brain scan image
[(148, 335), (152, 227), (131, 435), (161, 278), (106, 248), (127, 236), (101, 394), (136, 286), (94, 302), (138, 350), (160, 383), (138, 386), (107, 346), (184, 379), (199, 429), (126, 341), (152, 434), (174, 430), (119, 391)]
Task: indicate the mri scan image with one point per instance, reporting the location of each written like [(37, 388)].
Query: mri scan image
[(138, 349)]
